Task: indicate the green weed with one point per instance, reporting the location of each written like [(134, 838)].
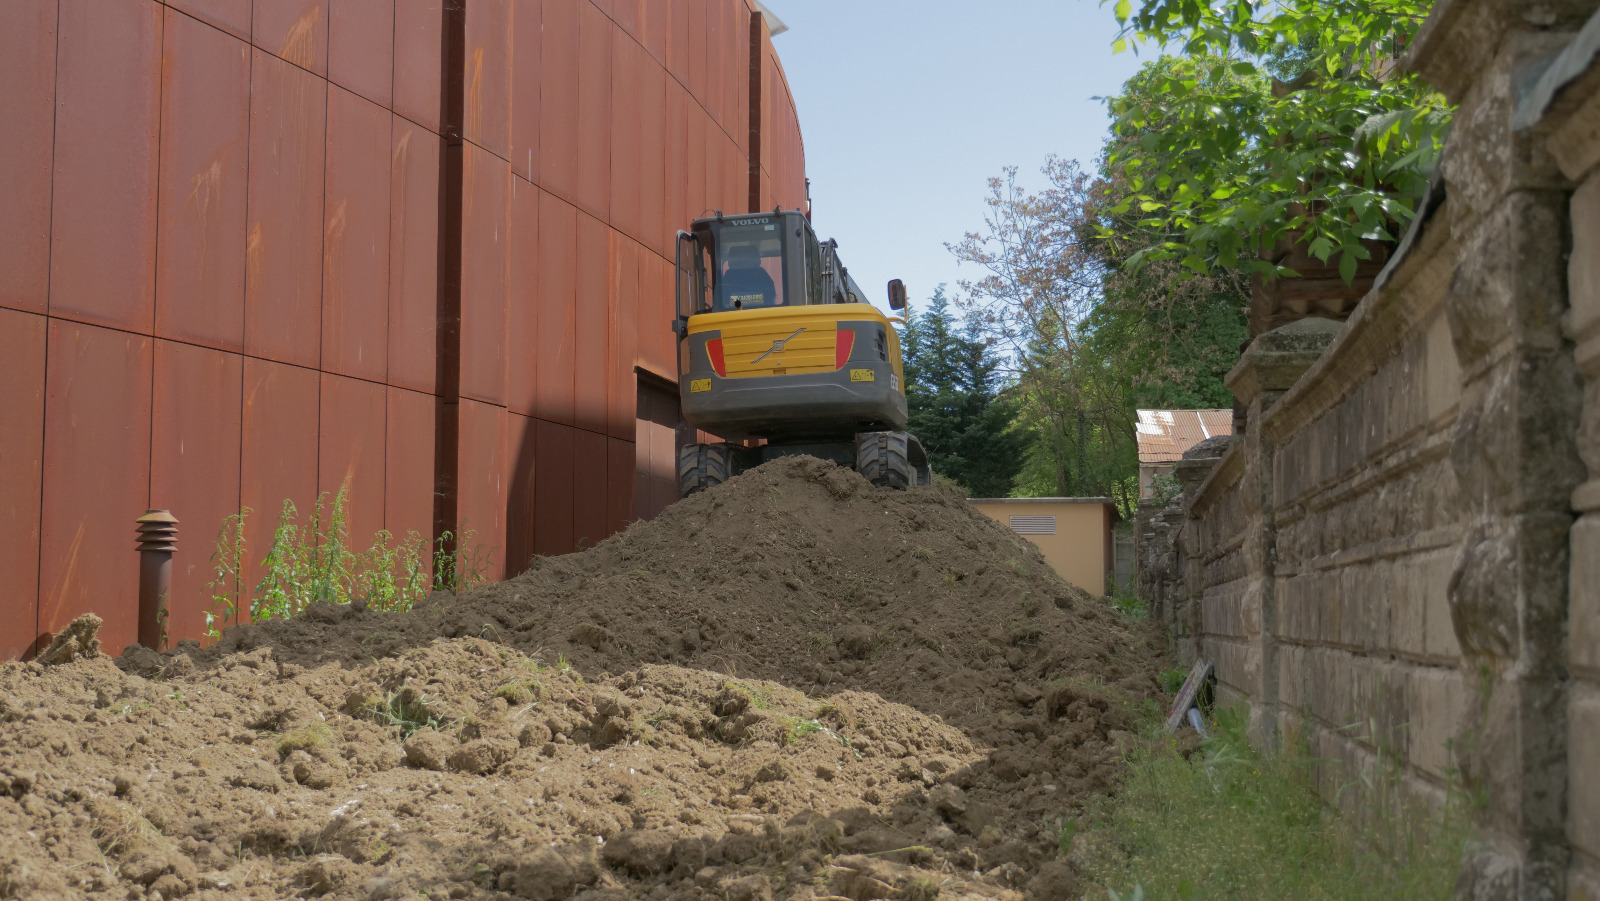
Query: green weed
[(1229, 822), (406, 711), (1172, 680), (312, 560)]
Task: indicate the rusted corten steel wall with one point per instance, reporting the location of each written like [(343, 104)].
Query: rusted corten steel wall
[(251, 251)]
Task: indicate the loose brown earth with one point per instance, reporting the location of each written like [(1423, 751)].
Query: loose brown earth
[(795, 686)]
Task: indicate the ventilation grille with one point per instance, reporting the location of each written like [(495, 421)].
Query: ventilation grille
[(1033, 525)]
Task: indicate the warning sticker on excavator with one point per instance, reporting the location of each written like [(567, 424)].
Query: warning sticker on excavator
[(863, 375), (698, 385)]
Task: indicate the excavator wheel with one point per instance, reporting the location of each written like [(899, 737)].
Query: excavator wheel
[(882, 458), (701, 466)]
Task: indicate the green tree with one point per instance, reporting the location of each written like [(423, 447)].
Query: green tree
[(958, 404), (1276, 121), (1092, 338)]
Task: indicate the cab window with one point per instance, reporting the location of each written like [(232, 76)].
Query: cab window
[(749, 269)]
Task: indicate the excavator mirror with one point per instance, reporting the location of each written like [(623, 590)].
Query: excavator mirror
[(897, 294)]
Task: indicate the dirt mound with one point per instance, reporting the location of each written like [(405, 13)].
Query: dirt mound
[(804, 687)]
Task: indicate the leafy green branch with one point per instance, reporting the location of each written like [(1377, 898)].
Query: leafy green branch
[(1275, 122)]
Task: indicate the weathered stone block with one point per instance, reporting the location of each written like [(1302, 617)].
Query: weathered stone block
[(1584, 618), (1583, 763), (1434, 571), (1583, 266), (1438, 701)]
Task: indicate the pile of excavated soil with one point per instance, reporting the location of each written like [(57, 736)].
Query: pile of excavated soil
[(798, 687)]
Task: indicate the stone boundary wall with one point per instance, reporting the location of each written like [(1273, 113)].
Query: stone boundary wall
[(1397, 556)]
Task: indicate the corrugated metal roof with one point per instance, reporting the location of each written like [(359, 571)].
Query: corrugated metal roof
[(1165, 434)]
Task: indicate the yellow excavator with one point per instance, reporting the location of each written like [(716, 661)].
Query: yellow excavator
[(779, 353)]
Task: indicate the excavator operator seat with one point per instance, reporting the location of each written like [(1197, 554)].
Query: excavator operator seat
[(744, 284)]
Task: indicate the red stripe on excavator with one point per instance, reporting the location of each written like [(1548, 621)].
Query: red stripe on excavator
[(714, 351), (844, 339)]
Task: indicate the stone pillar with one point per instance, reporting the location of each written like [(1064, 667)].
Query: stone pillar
[(1269, 367), (1513, 454)]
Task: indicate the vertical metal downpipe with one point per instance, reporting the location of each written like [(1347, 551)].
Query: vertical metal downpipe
[(447, 359)]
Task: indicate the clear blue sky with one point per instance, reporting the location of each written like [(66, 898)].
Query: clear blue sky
[(907, 108)]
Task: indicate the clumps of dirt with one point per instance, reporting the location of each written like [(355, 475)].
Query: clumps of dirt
[(800, 686)]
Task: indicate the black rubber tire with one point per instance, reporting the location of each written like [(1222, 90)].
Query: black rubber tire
[(701, 466), (921, 467), (882, 459)]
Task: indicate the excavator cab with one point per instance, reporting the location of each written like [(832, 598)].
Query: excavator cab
[(778, 345)]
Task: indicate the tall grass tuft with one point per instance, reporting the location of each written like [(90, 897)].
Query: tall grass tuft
[(1229, 822), (312, 559)]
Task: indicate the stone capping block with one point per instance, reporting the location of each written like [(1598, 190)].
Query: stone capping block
[(1216, 476), (1453, 45), (1383, 323), (1276, 360), (1564, 103)]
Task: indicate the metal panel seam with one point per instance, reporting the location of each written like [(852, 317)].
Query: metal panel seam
[(49, 271)]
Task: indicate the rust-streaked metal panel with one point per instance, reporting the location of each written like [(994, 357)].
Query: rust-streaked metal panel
[(674, 164), (481, 477), (294, 30), (488, 75), (103, 209), (283, 246), (355, 238), (526, 68), (621, 397), (657, 348), (408, 463), (716, 93), (558, 98), (27, 106), (417, 44), (232, 16), (594, 112), (627, 61), (619, 484), (96, 478), (717, 165), (413, 256), (592, 330), (22, 361), (553, 491), (350, 450), (555, 322), (485, 220), (205, 103), (194, 467), (741, 81), (1164, 435), (655, 480), (591, 514), (521, 438), (361, 48), (522, 299), (655, 30), (678, 41), (694, 162), (653, 231), (627, 14), (278, 451), (697, 51), (736, 84)]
